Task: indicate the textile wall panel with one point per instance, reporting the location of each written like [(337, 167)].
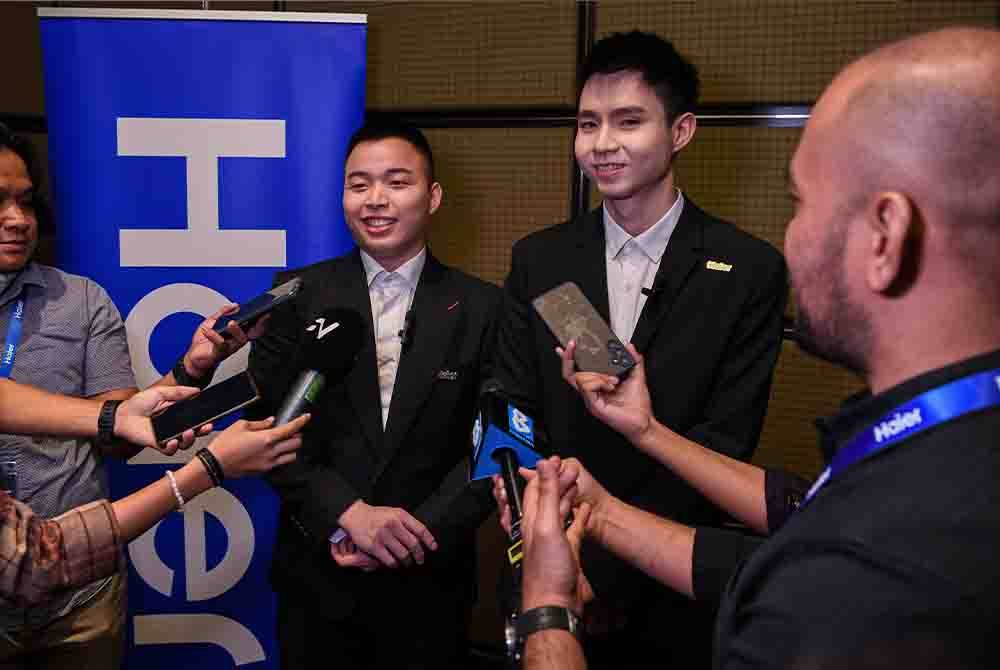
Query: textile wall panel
[(782, 50), (432, 54), (499, 185)]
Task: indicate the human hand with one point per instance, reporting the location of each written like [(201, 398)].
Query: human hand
[(347, 555), (552, 574), (390, 534), (208, 348), (132, 418), (254, 447), (622, 404)]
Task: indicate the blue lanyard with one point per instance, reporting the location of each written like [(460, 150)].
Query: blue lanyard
[(13, 337), (955, 399)]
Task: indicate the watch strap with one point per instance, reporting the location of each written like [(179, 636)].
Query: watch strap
[(183, 378), (106, 422), (546, 618)]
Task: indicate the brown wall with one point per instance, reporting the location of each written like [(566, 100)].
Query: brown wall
[(501, 184)]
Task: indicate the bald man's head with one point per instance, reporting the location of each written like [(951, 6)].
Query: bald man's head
[(898, 176)]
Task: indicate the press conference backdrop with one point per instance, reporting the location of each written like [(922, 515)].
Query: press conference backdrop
[(193, 155)]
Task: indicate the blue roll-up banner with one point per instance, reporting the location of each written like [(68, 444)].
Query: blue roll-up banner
[(193, 155)]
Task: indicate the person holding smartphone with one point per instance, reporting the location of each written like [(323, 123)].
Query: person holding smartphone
[(62, 333), (701, 299), (40, 558)]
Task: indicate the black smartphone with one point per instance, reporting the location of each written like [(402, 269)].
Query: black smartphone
[(213, 403), (250, 311), (570, 316)]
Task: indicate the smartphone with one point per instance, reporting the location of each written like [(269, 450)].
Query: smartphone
[(213, 403), (570, 316), (250, 311)]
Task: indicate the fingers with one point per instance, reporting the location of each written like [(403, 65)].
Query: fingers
[(173, 393), (286, 446), (285, 459), (578, 528), (289, 429), (420, 530), (262, 424), (205, 429), (568, 363), (170, 448)]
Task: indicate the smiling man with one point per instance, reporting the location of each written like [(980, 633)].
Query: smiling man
[(374, 564), (702, 300)]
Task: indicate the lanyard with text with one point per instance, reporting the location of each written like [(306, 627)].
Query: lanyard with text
[(13, 337), (963, 396)]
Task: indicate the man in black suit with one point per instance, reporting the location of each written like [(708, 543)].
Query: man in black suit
[(700, 299), (374, 564)]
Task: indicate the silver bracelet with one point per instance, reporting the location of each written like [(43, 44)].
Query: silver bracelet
[(177, 491)]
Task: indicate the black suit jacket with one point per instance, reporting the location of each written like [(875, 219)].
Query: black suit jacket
[(710, 339), (419, 462)]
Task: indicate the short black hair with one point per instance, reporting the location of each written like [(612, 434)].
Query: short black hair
[(670, 75), (21, 148), (384, 127)]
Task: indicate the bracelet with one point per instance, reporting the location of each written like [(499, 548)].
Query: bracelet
[(177, 491), (106, 423), (183, 378), (212, 466)]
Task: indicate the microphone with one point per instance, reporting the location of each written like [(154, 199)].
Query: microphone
[(330, 344), (504, 438), (406, 334)]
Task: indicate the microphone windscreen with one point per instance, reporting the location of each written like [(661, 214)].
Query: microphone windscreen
[(331, 341)]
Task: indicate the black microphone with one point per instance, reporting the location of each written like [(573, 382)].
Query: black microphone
[(330, 344), (406, 334)]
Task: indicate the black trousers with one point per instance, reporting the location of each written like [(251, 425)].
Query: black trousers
[(380, 634)]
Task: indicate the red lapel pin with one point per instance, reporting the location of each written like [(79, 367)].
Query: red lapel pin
[(453, 305)]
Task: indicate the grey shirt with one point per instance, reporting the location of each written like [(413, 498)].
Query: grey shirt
[(73, 342)]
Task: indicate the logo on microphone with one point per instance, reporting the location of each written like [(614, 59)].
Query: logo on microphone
[(521, 424), (323, 328)]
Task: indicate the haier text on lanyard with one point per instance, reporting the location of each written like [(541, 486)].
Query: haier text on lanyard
[(13, 337), (945, 403)]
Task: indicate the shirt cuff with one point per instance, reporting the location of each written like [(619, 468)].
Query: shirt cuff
[(92, 542)]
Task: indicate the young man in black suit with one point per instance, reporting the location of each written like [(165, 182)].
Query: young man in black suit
[(374, 564), (699, 298)]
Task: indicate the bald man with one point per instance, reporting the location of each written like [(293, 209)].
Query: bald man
[(893, 252)]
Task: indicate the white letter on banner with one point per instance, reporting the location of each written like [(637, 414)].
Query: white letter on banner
[(202, 583), (202, 142), (206, 628)]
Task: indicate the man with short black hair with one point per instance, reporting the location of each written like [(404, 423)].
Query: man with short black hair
[(375, 561), (700, 298)]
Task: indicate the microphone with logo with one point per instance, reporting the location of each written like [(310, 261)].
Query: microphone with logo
[(503, 438), (328, 349)]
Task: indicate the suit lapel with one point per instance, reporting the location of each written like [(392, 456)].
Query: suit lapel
[(683, 253), (363, 377), (593, 275), (436, 310)]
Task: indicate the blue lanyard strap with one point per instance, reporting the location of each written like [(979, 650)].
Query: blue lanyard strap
[(13, 337), (929, 409)]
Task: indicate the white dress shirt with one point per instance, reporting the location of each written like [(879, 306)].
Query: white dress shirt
[(632, 264), (391, 294)]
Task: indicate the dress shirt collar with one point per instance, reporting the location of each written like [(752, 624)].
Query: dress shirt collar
[(653, 241), (409, 271)]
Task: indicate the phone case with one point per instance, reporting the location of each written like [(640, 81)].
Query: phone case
[(260, 305), (570, 316), (211, 404)]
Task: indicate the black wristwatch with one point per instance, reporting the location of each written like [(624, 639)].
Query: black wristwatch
[(182, 377), (106, 423), (545, 618)]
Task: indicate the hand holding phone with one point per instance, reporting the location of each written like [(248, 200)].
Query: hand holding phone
[(250, 311), (571, 317), (213, 403)]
